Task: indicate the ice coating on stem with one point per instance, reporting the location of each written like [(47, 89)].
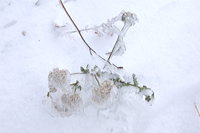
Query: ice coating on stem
[(129, 20)]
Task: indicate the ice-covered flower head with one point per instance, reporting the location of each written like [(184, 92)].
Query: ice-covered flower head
[(102, 93), (59, 80), (129, 18)]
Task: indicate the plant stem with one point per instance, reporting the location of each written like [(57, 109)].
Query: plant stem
[(86, 29), (195, 105), (79, 32), (120, 37), (77, 73), (97, 80), (108, 60)]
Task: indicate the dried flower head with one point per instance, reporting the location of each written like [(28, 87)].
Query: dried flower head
[(58, 80), (71, 102), (129, 17), (102, 93)]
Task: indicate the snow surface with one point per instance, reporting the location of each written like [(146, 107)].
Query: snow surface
[(162, 50)]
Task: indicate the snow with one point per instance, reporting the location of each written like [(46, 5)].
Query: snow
[(162, 50)]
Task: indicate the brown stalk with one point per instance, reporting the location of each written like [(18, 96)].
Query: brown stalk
[(108, 60), (79, 32), (97, 80), (195, 105)]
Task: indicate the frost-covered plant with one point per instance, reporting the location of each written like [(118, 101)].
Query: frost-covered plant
[(58, 80), (63, 98), (71, 102), (112, 79), (129, 20), (102, 93), (119, 48), (144, 91), (66, 97), (109, 28)]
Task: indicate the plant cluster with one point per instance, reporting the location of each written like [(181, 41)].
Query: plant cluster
[(66, 96), (63, 98)]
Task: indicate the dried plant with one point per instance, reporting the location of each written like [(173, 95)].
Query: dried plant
[(58, 80), (66, 97), (102, 93), (62, 97), (71, 102)]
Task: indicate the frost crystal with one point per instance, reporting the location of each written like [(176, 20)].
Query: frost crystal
[(102, 93)]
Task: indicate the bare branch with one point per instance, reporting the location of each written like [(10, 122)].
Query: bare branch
[(97, 80), (79, 32), (86, 29)]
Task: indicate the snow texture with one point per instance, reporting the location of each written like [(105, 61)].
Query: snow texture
[(162, 50)]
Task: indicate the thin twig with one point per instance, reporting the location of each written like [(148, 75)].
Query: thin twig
[(195, 105), (86, 73), (77, 73), (108, 60), (97, 80), (74, 31), (58, 26), (79, 32), (71, 32), (118, 67), (128, 20)]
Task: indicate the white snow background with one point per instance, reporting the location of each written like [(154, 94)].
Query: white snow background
[(163, 50)]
